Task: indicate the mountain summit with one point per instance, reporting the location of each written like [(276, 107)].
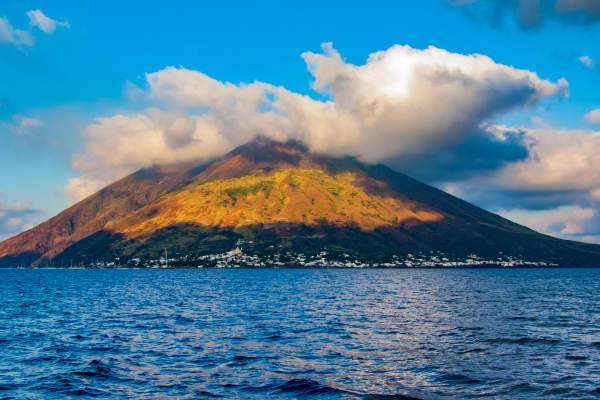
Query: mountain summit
[(273, 198)]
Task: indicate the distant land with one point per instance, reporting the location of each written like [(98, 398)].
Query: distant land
[(268, 203)]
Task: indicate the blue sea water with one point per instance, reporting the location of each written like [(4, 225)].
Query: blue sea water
[(300, 333)]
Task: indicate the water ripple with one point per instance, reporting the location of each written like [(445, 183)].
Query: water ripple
[(325, 334)]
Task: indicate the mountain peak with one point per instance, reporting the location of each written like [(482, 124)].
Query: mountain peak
[(262, 153), (264, 143), (279, 196)]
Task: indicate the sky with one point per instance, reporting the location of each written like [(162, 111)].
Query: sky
[(496, 102)]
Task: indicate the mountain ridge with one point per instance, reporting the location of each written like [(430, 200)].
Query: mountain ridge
[(280, 196)]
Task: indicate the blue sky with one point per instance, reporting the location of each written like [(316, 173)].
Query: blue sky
[(97, 66)]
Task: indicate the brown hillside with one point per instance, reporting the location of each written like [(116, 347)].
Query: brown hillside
[(299, 198), (93, 213)]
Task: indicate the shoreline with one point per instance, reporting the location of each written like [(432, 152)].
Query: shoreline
[(491, 266)]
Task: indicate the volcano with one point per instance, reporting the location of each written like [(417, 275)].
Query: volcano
[(272, 200)]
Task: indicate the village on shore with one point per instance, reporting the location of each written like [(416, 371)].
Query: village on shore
[(238, 258)]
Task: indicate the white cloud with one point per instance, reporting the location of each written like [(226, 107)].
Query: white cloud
[(593, 117), (17, 218), (142, 140), (559, 160), (13, 36), (588, 62), (21, 38), (555, 190), (46, 24), (539, 122), (402, 102), (407, 100), (564, 221), (80, 187), (23, 125)]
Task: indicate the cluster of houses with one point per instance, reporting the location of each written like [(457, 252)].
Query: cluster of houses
[(237, 258)]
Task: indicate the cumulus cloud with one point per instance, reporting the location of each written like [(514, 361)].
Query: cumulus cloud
[(17, 217), (410, 99), (482, 154), (46, 24), (555, 189), (120, 144), (570, 222), (593, 117), (530, 13), (16, 37), (559, 160), (588, 62), (402, 103)]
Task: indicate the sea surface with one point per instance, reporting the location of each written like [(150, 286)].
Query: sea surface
[(300, 333)]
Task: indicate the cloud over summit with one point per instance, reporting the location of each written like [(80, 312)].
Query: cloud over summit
[(402, 103)]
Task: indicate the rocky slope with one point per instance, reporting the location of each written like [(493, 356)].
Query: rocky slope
[(279, 197)]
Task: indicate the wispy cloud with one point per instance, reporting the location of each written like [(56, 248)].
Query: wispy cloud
[(46, 24), (588, 62), (570, 222), (16, 37), (17, 217), (21, 38), (23, 125), (593, 117)]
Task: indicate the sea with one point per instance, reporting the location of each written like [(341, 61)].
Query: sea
[(300, 333)]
